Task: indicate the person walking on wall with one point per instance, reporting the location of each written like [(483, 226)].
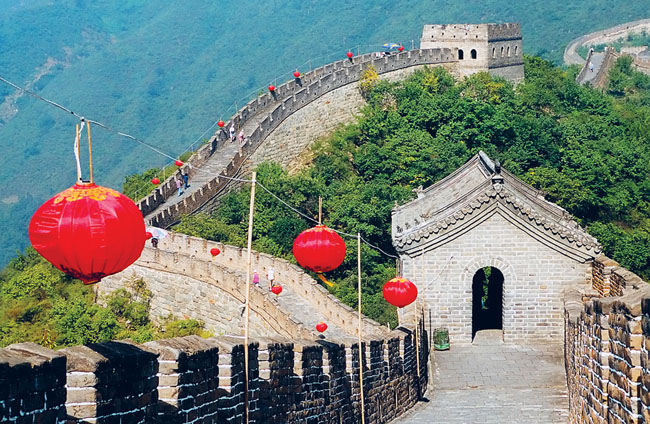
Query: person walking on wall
[(179, 186), (241, 136), (271, 277), (154, 242), (186, 178), (591, 66), (232, 132), (256, 278)]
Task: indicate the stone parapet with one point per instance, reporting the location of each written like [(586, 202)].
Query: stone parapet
[(194, 380), (606, 349), (32, 384)]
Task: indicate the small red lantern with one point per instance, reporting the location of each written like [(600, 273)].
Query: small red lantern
[(400, 48), (148, 235), (400, 292), (296, 74), (321, 326), (277, 289), (271, 88), (214, 251), (179, 163), (88, 232), (350, 55), (155, 180), (319, 249), (221, 124)]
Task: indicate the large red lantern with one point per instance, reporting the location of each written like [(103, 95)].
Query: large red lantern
[(214, 251), (400, 292), (271, 88), (277, 289), (221, 123), (88, 232), (179, 163), (321, 326), (319, 249), (155, 180), (350, 55), (296, 74)]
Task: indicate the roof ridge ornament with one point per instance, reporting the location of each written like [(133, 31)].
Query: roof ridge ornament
[(497, 178)]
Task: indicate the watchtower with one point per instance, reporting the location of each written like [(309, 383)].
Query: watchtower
[(495, 48)]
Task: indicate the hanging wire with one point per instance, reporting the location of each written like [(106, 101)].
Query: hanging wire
[(149, 146)]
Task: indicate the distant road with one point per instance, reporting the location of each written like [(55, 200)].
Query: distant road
[(571, 56)]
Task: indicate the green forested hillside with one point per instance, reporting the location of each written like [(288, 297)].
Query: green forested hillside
[(164, 71), (589, 150)]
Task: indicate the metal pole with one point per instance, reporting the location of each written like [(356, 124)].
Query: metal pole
[(90, 152), (417, 324), (248, 292), (320, 210), (363, 414)]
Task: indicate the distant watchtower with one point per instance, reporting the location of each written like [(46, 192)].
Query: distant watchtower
[(496, 48)]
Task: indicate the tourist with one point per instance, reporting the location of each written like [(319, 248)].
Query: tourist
[(186, 178), (256, 278), (232, 132), (154, 242), (591, 66), (241, 136), (179, 186), (271, 277)]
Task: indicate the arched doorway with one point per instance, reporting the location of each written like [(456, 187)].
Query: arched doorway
[(461, 55), (487, 300)]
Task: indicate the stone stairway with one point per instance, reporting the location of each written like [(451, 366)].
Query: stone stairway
[(215, 164)]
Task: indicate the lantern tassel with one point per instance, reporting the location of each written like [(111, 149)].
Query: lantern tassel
[(324, 280)]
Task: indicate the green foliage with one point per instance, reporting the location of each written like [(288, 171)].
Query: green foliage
[(40, 304)]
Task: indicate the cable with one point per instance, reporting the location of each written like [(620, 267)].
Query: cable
[(316, 222)]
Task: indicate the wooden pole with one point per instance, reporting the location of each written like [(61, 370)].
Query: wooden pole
[(320, 210), (417, 323), (90, 152), (363, 413), (248, 291)]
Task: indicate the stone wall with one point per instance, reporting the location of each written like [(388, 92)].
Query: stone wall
[(606, 349), (32, 384), (194, 380), (187, 281), (267, 112)]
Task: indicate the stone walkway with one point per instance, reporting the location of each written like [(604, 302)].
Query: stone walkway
[(492, 382), (597, 60)]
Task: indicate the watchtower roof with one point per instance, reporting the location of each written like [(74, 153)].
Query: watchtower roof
[(481, 186)]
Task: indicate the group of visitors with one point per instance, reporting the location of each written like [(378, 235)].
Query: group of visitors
[(241, 136), (182, 180), (270, 275)]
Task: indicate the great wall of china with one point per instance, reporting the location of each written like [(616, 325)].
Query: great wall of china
[(296, 375)]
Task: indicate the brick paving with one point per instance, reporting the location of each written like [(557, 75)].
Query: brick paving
[(492, 382)]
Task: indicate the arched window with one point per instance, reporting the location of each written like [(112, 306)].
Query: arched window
[(494, 52), (501, 51), (473, 52), (516, 50), (461, 55), (508, 51)]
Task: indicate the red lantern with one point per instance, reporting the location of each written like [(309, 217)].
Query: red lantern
[(214, 251), (321, 326), (277, 289), (319, 249), (400, 292), (179, 163), (221, 124), (400, 48), (296, 74), (350, 55), (88, 232), (155, 180), (148, 235), (271, 88)]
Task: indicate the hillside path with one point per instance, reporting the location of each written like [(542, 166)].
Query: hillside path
[(495, 383), (597, 60)]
